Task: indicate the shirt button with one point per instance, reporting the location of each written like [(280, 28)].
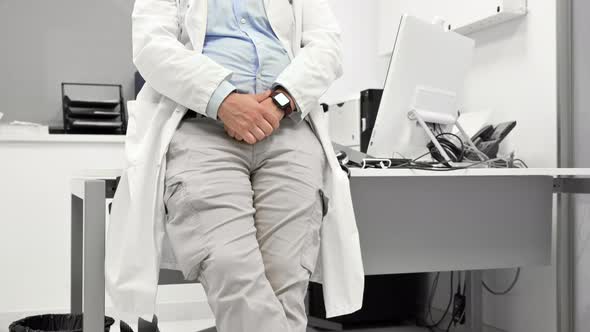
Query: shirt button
[(243, 21)]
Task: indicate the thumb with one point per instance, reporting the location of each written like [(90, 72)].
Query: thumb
[(262, 96)]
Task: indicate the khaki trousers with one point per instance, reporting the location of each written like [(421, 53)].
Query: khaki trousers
[(245, 221)]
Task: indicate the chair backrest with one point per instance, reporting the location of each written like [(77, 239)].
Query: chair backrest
[(173, 277)]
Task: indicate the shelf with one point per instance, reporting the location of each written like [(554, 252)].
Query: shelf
[(506, 10)]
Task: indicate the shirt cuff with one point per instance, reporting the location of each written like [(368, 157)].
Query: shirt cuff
[(223, 90)]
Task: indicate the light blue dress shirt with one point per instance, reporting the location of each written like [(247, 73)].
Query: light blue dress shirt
[(239, 37)]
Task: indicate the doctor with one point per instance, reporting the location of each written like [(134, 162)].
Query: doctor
[(231, 176)]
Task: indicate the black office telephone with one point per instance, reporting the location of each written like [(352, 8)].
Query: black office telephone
[(488, 139)]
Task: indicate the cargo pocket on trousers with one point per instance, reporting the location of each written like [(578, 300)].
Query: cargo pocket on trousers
[(171, 190), (311, 247)]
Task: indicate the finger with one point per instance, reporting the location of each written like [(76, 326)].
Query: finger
[(249, 138), (238, 137), (263, 96), (229, 131), (272, 119), (258, 133), (266, 127)]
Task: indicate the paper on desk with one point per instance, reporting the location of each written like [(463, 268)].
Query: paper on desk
[(25, 123), (16, 128)]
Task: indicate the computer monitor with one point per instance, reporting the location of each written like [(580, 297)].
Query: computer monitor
[(426, 76)]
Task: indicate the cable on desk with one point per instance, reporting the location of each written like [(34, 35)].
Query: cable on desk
[(432, 291), (433, 324), (522, 163), (440, 169), (504, 292), (415, 160)]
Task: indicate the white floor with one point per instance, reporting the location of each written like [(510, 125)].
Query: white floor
[(186, 326), (198, 325)]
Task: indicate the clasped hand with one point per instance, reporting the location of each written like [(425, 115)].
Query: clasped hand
[(250, 118)]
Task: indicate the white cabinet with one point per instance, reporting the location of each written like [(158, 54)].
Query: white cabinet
[(345, 126), (35, 174)]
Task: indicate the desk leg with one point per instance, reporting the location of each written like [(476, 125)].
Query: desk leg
[(323, 324), (565, 264), (77, 219), (94, 255), (475, 302)]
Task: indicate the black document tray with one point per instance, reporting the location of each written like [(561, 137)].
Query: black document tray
[(79, 112)]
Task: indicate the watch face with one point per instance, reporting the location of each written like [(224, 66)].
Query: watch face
[(282, 99)]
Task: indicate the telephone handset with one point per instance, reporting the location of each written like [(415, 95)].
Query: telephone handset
[(488, 139)]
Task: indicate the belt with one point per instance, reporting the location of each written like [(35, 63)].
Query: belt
[(190, 114)]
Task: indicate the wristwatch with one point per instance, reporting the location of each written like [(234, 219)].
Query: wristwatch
[(282, 102)]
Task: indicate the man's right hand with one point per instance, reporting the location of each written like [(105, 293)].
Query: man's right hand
[(245, 118)]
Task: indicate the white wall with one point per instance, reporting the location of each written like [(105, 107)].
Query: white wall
[(514, 75), (362, 65), (581, 52), (45, 43)]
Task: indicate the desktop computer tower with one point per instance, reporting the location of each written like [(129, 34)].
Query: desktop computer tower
[(389, 300), (352, 121), (370, 100), (139, 82)]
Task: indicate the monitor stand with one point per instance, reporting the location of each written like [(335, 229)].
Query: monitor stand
[(432, 136), (437, 106)]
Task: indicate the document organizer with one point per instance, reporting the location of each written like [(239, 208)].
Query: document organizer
[(96, 115)]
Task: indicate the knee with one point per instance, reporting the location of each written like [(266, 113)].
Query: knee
[(285, 273), (231, 266), (222, 262)]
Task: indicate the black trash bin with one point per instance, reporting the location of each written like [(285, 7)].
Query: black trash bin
[(54, 323)]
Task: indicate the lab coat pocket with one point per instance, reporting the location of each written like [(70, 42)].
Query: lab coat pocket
[(311, 247)]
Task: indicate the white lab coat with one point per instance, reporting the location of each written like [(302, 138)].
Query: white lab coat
[(168, 38)]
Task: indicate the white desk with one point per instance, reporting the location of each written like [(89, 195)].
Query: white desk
[(471, 219), (475, 219)]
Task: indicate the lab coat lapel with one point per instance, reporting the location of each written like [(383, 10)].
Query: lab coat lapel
[(281, 17), (195, 21)]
